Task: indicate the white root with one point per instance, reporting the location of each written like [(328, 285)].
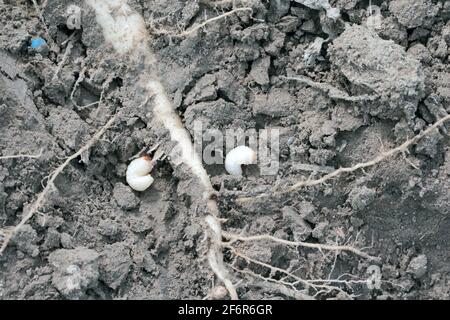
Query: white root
[(215, 255), (362, 165), (17, 156), (164, 112), (42, 197), (138, 173), (238, 157), (125, 30)]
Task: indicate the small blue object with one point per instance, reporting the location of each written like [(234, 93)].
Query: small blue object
[(36, 43)]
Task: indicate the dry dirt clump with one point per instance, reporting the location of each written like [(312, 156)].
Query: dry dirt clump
[(376, 66), (358, 207)]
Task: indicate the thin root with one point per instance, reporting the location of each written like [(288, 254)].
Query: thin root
[(31, 156), (203, 24), (383, 156), (42, 196), (317, 246)]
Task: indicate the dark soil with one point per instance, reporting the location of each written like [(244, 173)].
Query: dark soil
[(113, 243)]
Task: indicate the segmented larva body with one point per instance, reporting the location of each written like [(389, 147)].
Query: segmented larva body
[(237, 157), (138, 173)]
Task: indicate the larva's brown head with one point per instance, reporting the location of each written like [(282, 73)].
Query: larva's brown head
[(147, 157)]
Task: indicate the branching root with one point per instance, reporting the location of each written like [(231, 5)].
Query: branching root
[(381, 157), (318, 246), (6, 235), (202, 25)]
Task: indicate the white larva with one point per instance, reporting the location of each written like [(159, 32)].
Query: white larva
[(138, 173), (126, 31), (237, 157)]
